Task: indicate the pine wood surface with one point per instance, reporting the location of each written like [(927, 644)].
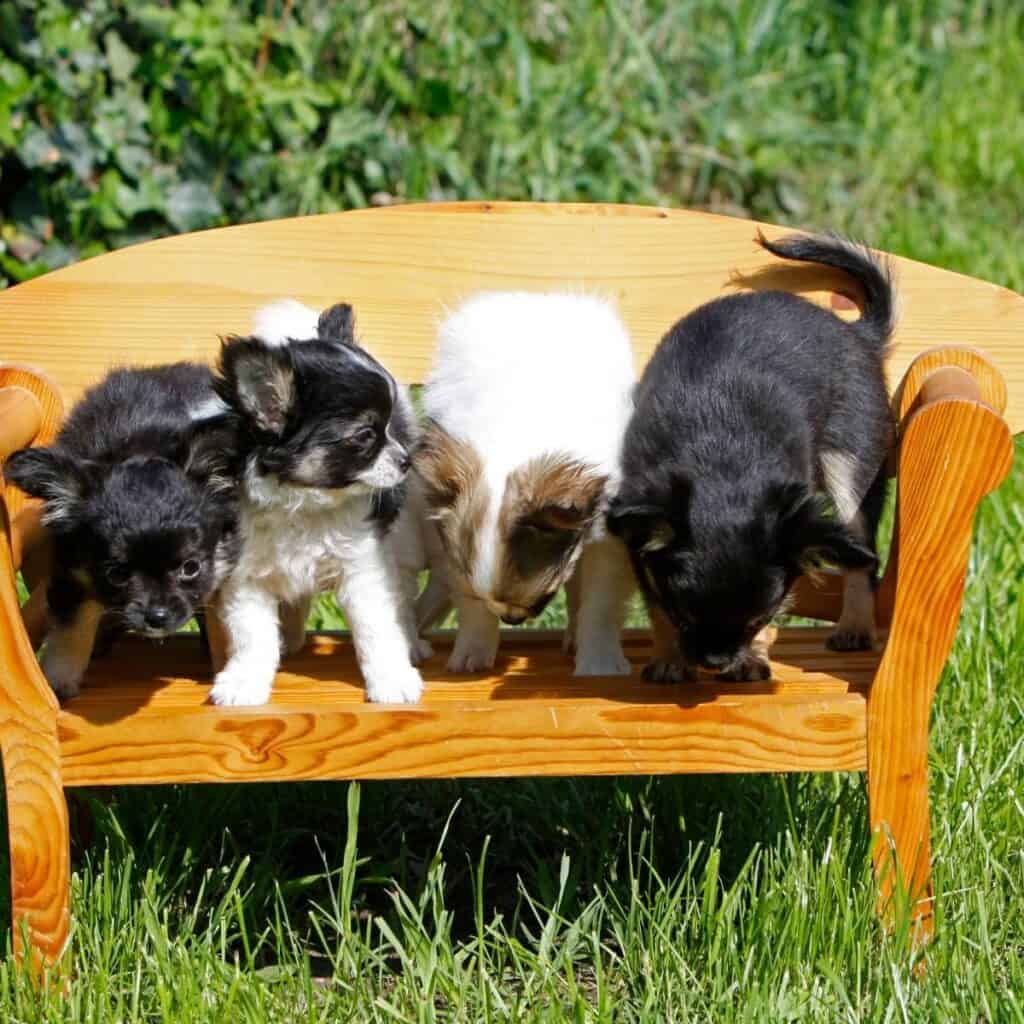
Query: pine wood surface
[(143, 716), (402, 266)]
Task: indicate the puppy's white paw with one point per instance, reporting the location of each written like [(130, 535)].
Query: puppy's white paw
[(402, 684), (471, 657), (63, 674), (419, 650), (236, 687), (606, 661), (665, 670)]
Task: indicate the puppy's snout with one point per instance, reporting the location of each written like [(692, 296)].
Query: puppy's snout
[(514, 618), (404, 461), (157, 617)]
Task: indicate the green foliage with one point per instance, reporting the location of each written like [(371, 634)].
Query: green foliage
[(124, 120), (726, 898)]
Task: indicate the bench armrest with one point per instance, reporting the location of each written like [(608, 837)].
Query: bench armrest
[(30, 410)]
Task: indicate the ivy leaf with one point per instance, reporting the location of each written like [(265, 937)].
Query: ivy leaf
[(192, 205), (120, 59), (36, 148)]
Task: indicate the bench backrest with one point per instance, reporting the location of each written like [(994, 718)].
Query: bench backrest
[(401, 267)]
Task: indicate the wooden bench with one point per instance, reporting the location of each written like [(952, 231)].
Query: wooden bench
[(143, 715)]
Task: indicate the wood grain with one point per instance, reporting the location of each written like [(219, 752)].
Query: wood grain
[(143, 717), (401, 267), (37, 819), (953, 452)]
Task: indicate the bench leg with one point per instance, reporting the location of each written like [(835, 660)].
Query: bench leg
[(953, 452), (900, 819), (39, 844)]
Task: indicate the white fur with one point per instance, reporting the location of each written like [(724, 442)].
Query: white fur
[(856, 625), (286, 320), (208, 409), (297, 541), (518, 375), (839, 470)]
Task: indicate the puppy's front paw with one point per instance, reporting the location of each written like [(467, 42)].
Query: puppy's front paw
[(293, 640), (399, 685), (665, 670), (472, 653), (749, 669), (471, 658), (63, 674), (568, 643), (420, 650), (850, 640), (608, 661), (236, 687)]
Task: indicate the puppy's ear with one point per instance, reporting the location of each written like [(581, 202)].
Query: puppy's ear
[(448, 467), (641, 527), (53, 475), (645, 525), (554, 493), (828, 542), (812, 538), (210, 452), (258, 381), (337, 323)]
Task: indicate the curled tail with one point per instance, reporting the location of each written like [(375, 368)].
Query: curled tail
[(873, 273)]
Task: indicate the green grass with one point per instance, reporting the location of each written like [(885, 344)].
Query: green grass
[(706, 899)]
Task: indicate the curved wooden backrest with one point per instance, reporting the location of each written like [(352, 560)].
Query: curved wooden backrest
[(402, 266)]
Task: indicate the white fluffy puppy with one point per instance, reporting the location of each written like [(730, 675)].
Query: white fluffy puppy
[(326, 439), (528, 402)]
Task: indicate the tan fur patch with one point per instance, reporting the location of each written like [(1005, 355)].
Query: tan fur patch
[(547, 506), (455, 491)]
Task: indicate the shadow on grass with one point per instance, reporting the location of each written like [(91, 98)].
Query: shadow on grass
[(293, 836)]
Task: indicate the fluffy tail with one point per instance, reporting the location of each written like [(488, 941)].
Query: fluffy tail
[(874, 274)]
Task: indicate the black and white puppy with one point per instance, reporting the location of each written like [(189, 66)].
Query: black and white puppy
[(757, 453), (325, 443), (139, 496)]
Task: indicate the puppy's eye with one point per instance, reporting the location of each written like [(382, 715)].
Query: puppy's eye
[(365, 436), (189, 569), (117, 575)]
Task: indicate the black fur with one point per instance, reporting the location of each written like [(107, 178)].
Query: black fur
[(139, 497), (720, 499), (317, 412)]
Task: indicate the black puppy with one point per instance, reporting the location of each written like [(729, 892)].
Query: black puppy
[(751, 407), (139, 495)]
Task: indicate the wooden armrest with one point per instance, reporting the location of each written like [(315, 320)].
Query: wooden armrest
[(21, 416), (948, 376), (938, 375), (949, 371)]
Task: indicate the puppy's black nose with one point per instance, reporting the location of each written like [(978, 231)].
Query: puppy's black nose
[(406, 463), (157, 618), (513, 620)]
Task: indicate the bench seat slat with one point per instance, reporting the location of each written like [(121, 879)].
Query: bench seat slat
[(527, 718)]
